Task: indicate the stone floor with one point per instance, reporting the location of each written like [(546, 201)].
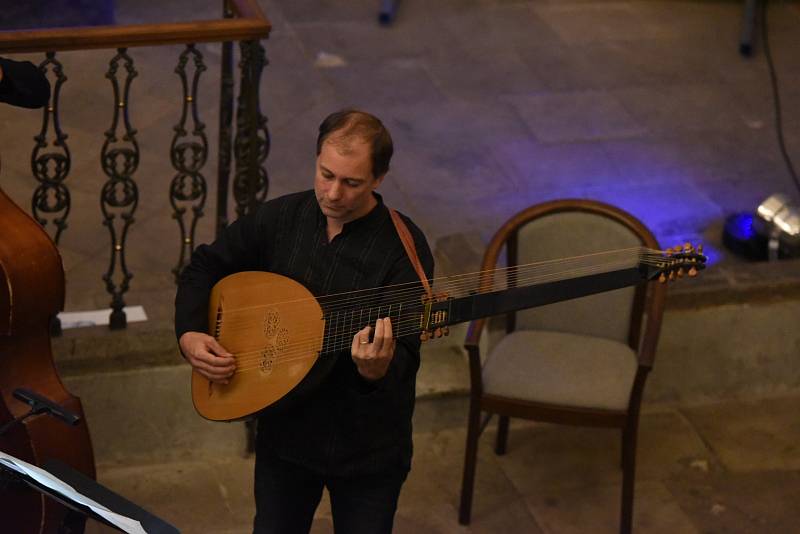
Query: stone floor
[(724, 467)]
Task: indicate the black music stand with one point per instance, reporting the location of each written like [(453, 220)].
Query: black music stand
[(94, 491)]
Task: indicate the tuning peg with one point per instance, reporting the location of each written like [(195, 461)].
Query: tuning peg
[(446, 331), (692, 272), (437, 333), (680, 272), (424, 336), (687, 247), (699, 249), (662, 278)]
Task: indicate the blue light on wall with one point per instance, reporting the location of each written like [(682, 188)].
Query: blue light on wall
[(739, 235), (741, 226)]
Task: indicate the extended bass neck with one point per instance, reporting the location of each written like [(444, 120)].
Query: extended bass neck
[(458, 310)]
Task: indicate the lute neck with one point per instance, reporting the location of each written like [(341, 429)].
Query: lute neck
[(483, 294)]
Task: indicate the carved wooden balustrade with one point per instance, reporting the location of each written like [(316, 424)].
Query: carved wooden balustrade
[(243, 22)]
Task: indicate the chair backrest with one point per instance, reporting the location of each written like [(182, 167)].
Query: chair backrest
[(570, 228)]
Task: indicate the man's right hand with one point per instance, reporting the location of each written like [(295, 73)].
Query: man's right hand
[(208, 357)]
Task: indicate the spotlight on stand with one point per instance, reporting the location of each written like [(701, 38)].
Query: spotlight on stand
[(779, 222), (772, 232)]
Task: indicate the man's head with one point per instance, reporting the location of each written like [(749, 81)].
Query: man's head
[(353, 153), (347, 125)]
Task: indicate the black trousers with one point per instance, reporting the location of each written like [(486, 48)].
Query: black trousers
[(287, 494)]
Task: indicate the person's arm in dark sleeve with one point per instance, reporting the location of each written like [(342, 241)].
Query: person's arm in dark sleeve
[(237, 249), (405, 361), (23, 84)]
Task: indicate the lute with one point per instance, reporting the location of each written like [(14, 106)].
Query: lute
[(278, 331)]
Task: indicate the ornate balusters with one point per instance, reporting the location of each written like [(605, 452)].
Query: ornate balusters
[(119, 159), (51, 199), (188, 187), (225, 127), (252, 143)]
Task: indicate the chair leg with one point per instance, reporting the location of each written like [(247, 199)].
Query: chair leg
[(628, 474), (622, 448), (470, 459), (502, 435)]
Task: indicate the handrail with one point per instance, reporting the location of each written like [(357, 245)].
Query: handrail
[(250, 24)]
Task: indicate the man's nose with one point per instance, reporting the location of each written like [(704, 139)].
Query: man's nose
[(335, 190)]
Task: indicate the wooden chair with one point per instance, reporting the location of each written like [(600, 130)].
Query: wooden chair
[(580, 362)]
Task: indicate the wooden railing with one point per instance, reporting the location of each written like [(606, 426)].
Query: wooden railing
[(242, 21)]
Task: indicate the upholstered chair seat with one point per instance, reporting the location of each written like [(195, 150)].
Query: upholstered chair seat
[(561, 368)]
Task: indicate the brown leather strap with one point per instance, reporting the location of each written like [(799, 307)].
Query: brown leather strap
[(408, 243)]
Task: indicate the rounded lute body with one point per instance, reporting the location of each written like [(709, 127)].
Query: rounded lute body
[(274, 327)]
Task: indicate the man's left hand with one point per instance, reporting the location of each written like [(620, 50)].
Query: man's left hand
[(373, 359)]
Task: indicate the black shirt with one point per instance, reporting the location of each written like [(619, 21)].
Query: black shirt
[(23, 84), (344, 425)]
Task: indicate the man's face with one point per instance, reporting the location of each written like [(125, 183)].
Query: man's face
[(343, 182)]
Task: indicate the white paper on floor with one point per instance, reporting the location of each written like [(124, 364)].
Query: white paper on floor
[(99, 317)]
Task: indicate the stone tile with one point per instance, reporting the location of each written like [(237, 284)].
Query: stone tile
[(364, 39), (576, 116), (603, 22), (541, 167), (153, 421), (474, 64), (694, 106), (436, 414), (435, 476), (444, 368), (728, 329), (156, 488), (439, 165), (672, 213), (132, 12), (478, 122), (545, 458), (366, 83), (596, 509), (494, 27), (615, 65), (290, 68), (751, 436), (511, 516), (328, 12), (697, 157), (459, 254), (740, 502)]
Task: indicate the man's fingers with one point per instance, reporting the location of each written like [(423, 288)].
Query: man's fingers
[(214, 374), (218, 349), (378, 339), (212, 360), (212, 366), (360, 339), (383, 335), (215, 379), (387, 331)]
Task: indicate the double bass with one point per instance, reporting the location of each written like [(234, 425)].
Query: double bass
[(31, 294)]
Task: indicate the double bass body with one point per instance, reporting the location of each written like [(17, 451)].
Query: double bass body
[(31, 293)]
